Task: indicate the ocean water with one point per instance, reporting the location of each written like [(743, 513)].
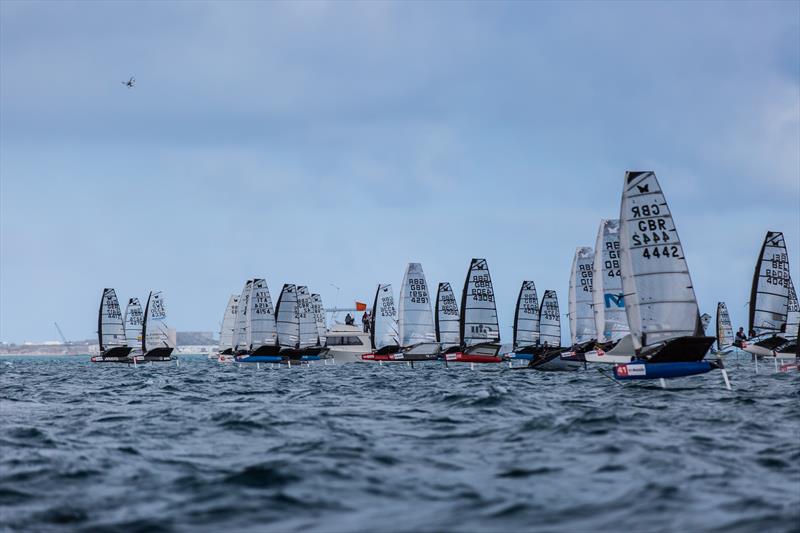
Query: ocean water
[(209, 447)]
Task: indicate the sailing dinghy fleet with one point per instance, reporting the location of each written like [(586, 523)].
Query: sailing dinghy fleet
[(631, 305), (138, 336)]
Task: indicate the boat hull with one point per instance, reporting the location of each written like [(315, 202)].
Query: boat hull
[(461, 357), (641, 370)]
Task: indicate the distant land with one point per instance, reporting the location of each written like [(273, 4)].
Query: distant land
[(187, 342)]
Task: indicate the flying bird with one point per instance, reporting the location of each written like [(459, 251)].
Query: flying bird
[(131, 83)]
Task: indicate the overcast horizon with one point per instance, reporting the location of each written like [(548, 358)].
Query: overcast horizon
[(332, 143)]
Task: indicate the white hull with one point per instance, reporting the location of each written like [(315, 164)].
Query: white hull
[(601, 357)]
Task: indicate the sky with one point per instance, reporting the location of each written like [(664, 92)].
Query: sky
[(329, 144)]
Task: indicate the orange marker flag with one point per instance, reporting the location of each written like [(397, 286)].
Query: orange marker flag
[(361, 306)]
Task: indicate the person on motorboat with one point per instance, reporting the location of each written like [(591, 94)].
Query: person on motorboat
[(349, 320), (365, 321)]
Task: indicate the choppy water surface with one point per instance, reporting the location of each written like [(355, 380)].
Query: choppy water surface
[(389, 448)]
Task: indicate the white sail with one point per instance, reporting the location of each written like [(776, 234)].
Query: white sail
[(724, 327), (415, 319), (550, 320), (526, 317), (134, 319), (228, 323), (261, 316), (705, 320), (581, 315), (659, 297), (447, 317), (610, 320), (288, 317), (110, 328), (241, 328), (155, 332), (769, 295), (478, 312), (792, 314), (384, 318), (307, 321), (319, 316)]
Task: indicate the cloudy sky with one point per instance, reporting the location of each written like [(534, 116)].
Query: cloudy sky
[(332, 143)]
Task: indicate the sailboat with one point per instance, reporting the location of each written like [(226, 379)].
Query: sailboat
[(259, 340), (416, 331), (582, 329), (224, 353), (724, 329), (111, 331), (157, 345), (525, 342), (134, 319), (446, 319), (549, 355), (319, 316), (288, 322), (383, 327), (660, 301), (614, 342), (308, 330), (769, 301), (478, 326), (241, 326)]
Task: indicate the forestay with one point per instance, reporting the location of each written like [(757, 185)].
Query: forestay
[(306, 320), (478, 312), (793, 313), (581, 315), (610, 320), (241, 329), (384, 318), (110, 328), (769, 294), (154, 330), (724, 327), (550, 320), (228, 323), (526, 316), (134, 318), (447, 317), (415, 319), (319, 316), (659, 297), (288, 317), (261, 316)]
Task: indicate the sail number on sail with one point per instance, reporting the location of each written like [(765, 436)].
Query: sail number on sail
[(113, 309), (387, 306), (550, 310), (419, 291), (261, 305), (779, 273), (653, 231), (447, 304), (612, 264), (586, 277), (482, 288)]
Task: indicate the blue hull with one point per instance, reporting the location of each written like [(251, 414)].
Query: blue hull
[(260, 359), (642, 370), (311, 358), (521, 356)]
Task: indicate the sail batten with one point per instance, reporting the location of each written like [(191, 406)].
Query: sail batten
[(415, 320), (447, 316), (478, 321), (526, 316), (581, 314), (660, 301)]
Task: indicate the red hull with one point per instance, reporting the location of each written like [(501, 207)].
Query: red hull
[(377, 357), (459, 357)]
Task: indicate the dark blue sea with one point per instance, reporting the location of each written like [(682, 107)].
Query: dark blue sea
[(210, 447)]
